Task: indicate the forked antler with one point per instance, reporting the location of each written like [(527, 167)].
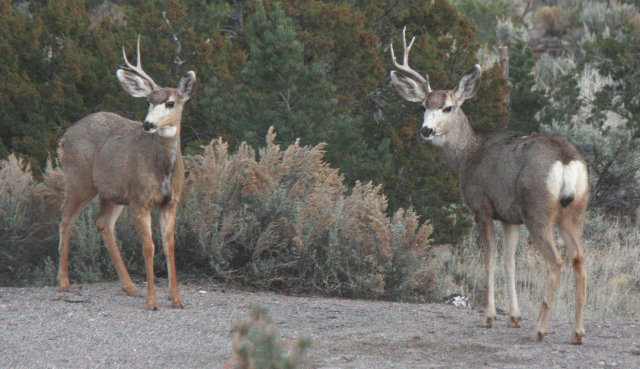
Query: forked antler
[(405, 63), (138, 67)]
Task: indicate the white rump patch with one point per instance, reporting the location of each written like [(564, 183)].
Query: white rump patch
[(554, 179), (575, 179), (568, 180), (167, 131)]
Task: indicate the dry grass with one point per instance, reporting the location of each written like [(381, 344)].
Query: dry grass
[(613, 272)]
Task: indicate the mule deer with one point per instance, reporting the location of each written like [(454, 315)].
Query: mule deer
[(512, 177), (126, 162)]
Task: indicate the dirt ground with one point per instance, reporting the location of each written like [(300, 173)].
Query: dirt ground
[(97, 326)]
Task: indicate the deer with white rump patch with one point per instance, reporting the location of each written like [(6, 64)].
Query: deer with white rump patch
[(512, 177), (131, 163)]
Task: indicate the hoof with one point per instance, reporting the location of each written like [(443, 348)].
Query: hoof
[(576, 338), (177, 305), (130, 290), (537, 336), (514, 321), (63, 284), (488, 321), (152, 307)]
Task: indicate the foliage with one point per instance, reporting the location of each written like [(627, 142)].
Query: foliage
[(597, 107), (557, 21), (314, 69), (486, 15), (526, 100), (256, 345), (285, 221)]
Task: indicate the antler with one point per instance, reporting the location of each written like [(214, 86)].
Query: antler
[(405, 63), (138, 68)]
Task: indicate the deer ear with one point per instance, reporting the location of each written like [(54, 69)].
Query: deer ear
[(408, 88), (186, 85), (469, 84), (135, 85)]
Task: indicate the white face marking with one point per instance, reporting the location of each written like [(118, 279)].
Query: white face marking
[(168, 131), (156, 113), (437, 121)]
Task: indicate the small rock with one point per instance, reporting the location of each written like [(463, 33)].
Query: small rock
[(202, 292)]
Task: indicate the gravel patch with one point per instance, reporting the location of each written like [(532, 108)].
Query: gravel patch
[(97, 326)]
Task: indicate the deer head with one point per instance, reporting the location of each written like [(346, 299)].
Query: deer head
[(441, 107), (165, 104)]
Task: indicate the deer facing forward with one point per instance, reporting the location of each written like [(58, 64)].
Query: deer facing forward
[(512, 177), (131, 163)]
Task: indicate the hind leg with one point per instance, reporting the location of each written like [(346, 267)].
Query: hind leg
[(542, 238), (570, 231), (73, 204), (106, 221)]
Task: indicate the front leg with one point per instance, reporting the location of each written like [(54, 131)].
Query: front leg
[(488, 242), (167, 228), (511, 236), (142, 222)]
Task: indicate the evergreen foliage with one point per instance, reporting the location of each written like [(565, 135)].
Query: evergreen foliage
[(526, 100), (315, 70)]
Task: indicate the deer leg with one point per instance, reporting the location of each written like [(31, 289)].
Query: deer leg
[(544, 242), (570, 233), (142, 222), (488, 240), (71, 208), (167, 228), (511, 236), (106, 222)]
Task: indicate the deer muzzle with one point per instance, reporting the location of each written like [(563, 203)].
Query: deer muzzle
[(426, 132), (149, 127)]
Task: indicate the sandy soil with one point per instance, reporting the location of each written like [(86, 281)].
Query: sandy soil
[(97, 326)]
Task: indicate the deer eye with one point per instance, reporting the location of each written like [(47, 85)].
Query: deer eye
[(169, 104), (447, 109)]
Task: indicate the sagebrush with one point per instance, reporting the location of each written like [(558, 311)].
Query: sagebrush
[(275, 219)]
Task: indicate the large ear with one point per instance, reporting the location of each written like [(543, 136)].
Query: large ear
[(408, 88), (187, 84), (469, 84), (135, 85)]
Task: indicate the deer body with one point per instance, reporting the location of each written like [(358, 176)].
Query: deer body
[(513, 177), (124, 164), (128, 163)]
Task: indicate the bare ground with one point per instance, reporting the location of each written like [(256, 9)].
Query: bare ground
[(97, 326)]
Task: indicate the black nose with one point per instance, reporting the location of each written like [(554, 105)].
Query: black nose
[(148, 126), (426, 132)]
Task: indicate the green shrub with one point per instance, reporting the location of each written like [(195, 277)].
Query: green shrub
[(256, 345)]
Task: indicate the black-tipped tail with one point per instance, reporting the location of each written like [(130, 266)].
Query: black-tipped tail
[(565, 201)]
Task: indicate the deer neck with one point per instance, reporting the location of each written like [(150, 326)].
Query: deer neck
[(460, 144), (167, 153)]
